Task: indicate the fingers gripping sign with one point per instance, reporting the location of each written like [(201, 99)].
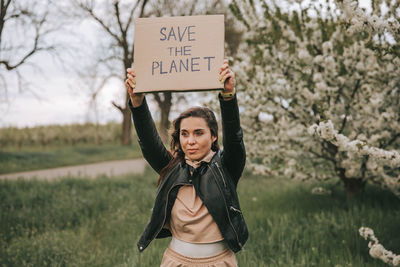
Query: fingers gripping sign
[(227, 77), (130, 84)]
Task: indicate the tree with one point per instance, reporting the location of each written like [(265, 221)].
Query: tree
[(305, 64), (115, 18), (30, 19)]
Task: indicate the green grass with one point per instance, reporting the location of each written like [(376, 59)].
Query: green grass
[(36, 158), (97, 222)]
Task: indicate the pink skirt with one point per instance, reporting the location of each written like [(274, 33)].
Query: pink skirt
[(172, 258)]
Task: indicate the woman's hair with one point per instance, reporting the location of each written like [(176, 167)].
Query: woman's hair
[(176, 150)]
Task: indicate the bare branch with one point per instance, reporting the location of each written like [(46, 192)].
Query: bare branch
[(347, 108), (100, 21), (157, 98), (192, 8), (38, 24), (117, 106), (142, 9), (4, 6), (24, 85), (117, 15), (131, 16)]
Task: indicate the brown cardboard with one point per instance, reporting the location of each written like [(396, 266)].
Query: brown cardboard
[(178, 53)]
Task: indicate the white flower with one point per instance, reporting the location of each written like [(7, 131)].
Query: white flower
[(318, 59), (376, 100), (312, 129), (360, 66), (327, 131), (396, 260), (326, 47), (366, 232), (318, 77), (376, 251), (304, 55), (320, 191), (291, 162)]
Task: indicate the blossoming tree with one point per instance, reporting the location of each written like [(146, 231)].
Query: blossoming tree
[(332, 67)]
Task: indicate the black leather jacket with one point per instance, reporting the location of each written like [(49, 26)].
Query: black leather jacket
[(215, 182)]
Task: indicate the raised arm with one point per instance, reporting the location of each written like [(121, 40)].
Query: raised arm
[(234, 155), (153, 149)]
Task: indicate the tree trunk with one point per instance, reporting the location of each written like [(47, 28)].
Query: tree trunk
[(353, 186), (126, 127), (165, 105), (164, 124)]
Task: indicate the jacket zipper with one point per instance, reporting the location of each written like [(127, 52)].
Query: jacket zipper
[(235, 209), (223, 179), (229, 218), (165, 211)]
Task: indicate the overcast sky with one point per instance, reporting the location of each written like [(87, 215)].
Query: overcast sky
[(59, 102), (57, 99)]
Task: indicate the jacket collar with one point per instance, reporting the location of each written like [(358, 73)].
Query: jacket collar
[(197, 163)]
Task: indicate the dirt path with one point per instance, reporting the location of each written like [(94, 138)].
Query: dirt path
[(109, 168)]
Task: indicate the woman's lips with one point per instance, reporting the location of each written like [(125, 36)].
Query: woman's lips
[(192, 151)]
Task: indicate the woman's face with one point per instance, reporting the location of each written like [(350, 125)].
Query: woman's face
[(195, 138)]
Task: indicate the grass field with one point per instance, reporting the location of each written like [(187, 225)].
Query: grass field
[(36, 158), (86, 222)]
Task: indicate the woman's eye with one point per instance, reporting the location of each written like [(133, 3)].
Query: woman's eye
[(184, 134), (199, 133)]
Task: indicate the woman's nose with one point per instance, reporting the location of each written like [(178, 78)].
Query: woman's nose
[(191, 139)]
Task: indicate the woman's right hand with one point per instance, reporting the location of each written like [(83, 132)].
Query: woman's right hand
[(130, 83)]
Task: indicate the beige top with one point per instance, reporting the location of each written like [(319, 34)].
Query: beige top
[(190, 220)]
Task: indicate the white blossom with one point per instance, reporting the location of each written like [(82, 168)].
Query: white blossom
[(396, 261), (376, 250), (343, 84), (297, 77), (320, 191), (361, 21), (326, 131), (304, 55)]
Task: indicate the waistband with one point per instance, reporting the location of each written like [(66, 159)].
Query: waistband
[(198, 250)]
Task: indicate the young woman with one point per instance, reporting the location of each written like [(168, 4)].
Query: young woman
[(196, 202)]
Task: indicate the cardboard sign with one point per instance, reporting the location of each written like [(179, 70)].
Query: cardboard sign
[(178, 53)]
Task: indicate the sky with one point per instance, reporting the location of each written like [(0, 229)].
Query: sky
[(58, 99)]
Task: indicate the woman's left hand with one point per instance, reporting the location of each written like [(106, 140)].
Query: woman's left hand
[(227, 77)]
